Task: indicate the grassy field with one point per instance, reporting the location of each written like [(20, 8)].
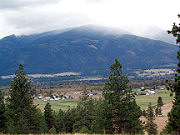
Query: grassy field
[(63, 104), (142, 101)]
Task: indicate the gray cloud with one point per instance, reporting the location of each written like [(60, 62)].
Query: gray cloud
[(34, 21), (15, 4), (34, 16)]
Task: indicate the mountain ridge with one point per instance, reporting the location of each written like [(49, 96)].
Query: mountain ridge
[(83, 49)]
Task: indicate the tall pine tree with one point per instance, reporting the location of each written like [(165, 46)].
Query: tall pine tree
[(48, 115), (21, 112), (173, 125), (151, 127), (59, 121), (123, 113), (159, 102)]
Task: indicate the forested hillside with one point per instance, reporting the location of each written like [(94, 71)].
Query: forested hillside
[(87, 49)]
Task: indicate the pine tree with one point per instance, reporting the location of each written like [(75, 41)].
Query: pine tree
[(59, 121), (159, 102), (20, 108), (157, 111), (97, 125), (173, 125), (2, 114), (71, 116), (123, 115), (48, 114), (85, 112), (150, 126), (40, 122)]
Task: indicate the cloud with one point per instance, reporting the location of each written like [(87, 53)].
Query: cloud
[(34, 16), (15, 4), (40, 18)]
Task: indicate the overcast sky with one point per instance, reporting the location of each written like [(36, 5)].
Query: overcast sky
[(34, 16)]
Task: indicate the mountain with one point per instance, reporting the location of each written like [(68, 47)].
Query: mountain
[(87, 49)]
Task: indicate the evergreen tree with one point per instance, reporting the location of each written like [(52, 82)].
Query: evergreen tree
[(123, 113), (157, 111), (85, 112), (151, 127), (60, 121), (173, 125), (71, 116), (97, 125), (48, 114), (20, 108), (40, 122), (2, 114), (159, 102)]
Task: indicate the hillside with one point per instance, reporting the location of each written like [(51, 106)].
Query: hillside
[(87, 49)]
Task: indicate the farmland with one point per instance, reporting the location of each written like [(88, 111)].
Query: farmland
[(63, 104), (142, 101)]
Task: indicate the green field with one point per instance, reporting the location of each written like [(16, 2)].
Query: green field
[(64, 104), (142, 101)]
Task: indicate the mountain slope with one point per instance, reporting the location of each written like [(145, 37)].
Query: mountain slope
[(85, 49)]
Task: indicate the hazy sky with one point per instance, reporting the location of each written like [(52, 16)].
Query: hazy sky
[(34, 16)]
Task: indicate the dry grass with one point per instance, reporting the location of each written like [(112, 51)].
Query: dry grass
[(161, 120)]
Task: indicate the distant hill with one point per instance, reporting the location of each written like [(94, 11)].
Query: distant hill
[(88, 49)]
